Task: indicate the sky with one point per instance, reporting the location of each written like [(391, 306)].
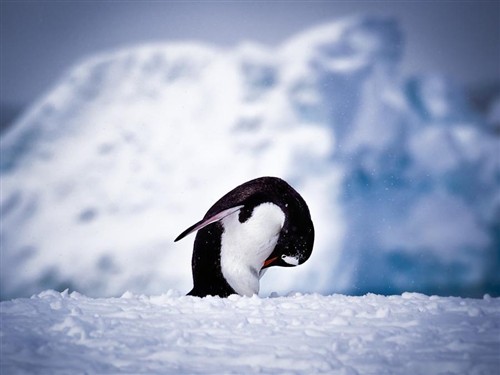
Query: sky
[(42, 39)]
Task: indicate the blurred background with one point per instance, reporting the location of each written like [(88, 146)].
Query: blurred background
[(122, 122)]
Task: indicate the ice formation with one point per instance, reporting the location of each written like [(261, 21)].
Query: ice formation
[(400, 175)]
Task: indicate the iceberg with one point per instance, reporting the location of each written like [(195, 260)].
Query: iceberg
[(400, 174)]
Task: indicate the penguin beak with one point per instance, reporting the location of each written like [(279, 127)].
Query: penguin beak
[(269, 262), (207, 221)]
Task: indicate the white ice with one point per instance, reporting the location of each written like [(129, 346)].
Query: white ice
[(61, 333)]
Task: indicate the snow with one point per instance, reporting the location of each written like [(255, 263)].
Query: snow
[(62, 333), (131, 147)]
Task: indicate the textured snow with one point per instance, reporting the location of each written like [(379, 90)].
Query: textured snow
[(132, 146), (61, 333)]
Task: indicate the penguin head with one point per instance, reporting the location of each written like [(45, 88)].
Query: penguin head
[(259, 224)]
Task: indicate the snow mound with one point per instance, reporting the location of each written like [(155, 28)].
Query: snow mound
[(298, 334), (133, 146)]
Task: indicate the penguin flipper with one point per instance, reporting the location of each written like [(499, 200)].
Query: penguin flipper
[(209, 220)]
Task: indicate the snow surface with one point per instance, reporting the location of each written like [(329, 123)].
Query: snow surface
[(61, 333), (132, 146)]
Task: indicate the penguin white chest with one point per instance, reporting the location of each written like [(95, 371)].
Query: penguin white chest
[(245, 246)]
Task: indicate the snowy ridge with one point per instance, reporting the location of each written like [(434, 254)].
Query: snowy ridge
[(132, 146), (60, 333)]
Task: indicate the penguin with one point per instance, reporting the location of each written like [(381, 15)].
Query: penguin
[(259, 224)]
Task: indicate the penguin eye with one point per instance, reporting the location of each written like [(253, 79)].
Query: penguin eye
[(245, 214)]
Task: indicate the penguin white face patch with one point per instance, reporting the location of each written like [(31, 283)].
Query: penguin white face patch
[(293, 261), (245, 246)]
